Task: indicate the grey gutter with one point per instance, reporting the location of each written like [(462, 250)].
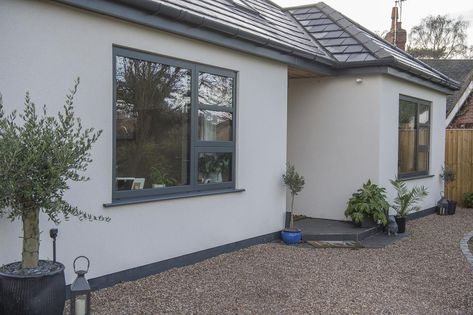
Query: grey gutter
[(394, 63), (174, 20), (170, 19)]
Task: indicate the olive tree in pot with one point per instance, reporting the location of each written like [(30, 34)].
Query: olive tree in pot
[(448, 175), (405, 201), (39, 156), (295, 183), (368, 205)]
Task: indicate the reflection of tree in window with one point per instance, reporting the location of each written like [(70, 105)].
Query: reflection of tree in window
[(153, 120), (215, 90)]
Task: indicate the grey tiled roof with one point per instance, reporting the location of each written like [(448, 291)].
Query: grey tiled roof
[(314, 38), (269, 22), (352, 44), (460, 70)]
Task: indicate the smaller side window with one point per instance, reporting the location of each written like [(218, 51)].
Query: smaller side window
[(414, 137)]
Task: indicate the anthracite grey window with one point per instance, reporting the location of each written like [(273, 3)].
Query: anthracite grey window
[(174, 126), (414, 137)]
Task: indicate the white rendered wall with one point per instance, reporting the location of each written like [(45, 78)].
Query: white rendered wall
[(333, 140), (46, 46), (340, 133), (389, 117)]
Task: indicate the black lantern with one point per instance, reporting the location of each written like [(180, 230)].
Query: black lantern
[(442, 206), (80, 291)]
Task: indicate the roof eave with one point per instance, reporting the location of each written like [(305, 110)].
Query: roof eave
[(166, 18)]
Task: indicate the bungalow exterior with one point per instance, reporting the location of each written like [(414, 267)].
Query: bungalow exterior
[(201, 104)]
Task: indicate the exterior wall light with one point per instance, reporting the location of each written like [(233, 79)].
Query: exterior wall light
[(80, 291), (359, 80)]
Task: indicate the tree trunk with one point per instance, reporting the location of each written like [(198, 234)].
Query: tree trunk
[(291, 225), (30, 239)]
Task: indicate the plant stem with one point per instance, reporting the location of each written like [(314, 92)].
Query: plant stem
[(30, 239), (291, 224)]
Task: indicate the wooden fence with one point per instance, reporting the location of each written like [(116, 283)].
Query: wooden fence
[(459, 157)]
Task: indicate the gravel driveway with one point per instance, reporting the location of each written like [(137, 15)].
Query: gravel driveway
[(425, 273)]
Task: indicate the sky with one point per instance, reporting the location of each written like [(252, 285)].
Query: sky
[(376, 14)]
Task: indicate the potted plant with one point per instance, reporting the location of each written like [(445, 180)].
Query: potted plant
[(211, 167), (295, 183), (448, 175), (160, 178), (405, 201), (368, 205), (40, 156), (468, 199)]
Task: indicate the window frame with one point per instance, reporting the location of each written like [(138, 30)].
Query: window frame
[(418, 148), (196, 146)]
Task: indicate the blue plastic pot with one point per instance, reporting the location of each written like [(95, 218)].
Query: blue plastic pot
[(291, 237)]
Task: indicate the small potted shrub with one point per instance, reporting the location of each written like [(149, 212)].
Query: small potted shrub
[(40, 156), (468, 199), (295, 183), (405, 201), (368, 205), (160, 178), (448, 175)]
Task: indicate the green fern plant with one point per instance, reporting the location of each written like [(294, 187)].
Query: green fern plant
[(368, 201), (406, 200)]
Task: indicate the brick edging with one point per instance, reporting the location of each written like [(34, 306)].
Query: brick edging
[(465, 249)]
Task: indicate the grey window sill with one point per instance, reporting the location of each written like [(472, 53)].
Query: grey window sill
[(415, 177), (131, 201)]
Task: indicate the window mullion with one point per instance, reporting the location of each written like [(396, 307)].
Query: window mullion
[(194, 126)]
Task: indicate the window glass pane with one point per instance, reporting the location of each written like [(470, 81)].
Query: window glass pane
[(152, 124), (424, 114), (422, 161), (215, 90), (215, 167), (424, 135), (215, 125), (407, 114), (407, 144), (407, 136)]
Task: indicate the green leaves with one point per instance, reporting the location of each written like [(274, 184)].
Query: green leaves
[(39, 156), (293, 180), (406, 200), (370, 200)]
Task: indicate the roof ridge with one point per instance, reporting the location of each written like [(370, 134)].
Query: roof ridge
[(386, 55), (304, 30), (350, 27)]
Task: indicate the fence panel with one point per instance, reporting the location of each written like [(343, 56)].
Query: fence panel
[(459, 157)]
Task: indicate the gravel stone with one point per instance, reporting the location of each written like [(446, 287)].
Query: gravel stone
[(424, 273)]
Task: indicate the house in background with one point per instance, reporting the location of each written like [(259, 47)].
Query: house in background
[(201, 105), (459, 104)]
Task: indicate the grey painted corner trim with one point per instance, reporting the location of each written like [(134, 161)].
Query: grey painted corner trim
[(465, 249), (181, 261), (154, 198), (145, 13)]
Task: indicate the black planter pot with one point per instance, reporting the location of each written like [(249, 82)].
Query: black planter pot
[(366, 223), (452, 207), (401, 224), (40, 294)]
